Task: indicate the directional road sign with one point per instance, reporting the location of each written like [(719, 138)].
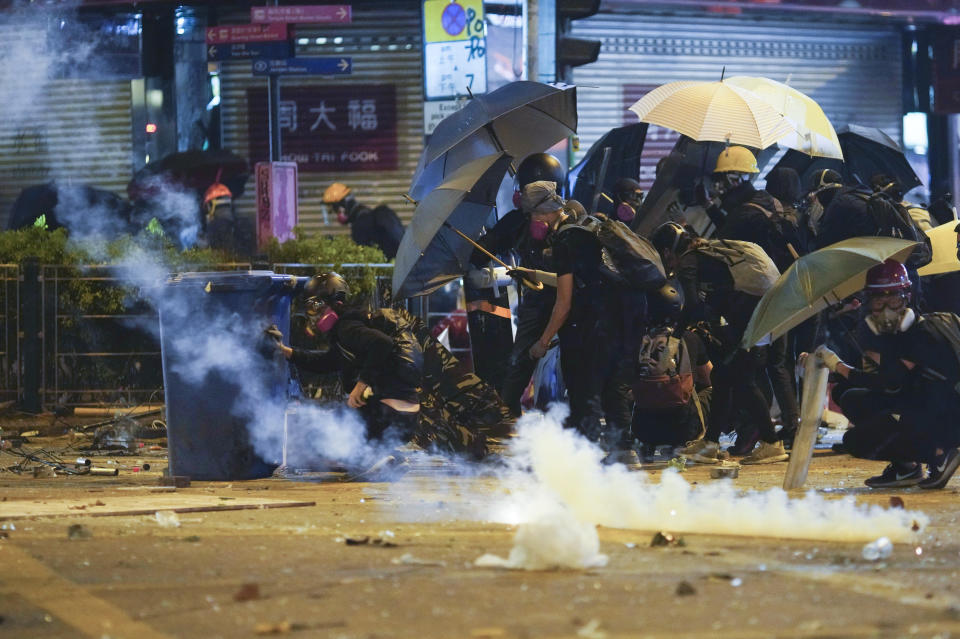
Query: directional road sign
[(231, 34), (310, 13), (273, 50), (304, 66)]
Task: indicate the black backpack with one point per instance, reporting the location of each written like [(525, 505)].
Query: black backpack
[(628, 259), (946, 327), (891, 219)]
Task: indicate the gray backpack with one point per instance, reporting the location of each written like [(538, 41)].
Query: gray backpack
[(752, 269)]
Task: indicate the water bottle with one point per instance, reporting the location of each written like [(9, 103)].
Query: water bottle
[(879, 549)]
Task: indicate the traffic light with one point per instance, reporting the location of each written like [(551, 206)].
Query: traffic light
[(574, 52)]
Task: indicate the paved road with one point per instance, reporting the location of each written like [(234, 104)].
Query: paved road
[(289, 570)]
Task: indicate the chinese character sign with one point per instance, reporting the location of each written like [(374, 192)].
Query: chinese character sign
[(330, 128), (455, 48)]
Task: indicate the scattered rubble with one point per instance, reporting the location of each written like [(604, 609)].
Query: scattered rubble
[(666, 539)]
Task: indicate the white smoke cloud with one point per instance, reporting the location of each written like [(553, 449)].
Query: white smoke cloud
[(559, 491)]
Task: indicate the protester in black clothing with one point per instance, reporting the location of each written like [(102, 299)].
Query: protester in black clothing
[(728, 310), (378, 227), (628, 196), (905, 410), (514, 235), (586, 317), (671, 377)]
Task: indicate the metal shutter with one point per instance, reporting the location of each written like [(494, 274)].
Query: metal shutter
[(384, 42), (69, 130), (852, 70)]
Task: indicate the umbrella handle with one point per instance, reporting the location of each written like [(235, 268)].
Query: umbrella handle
[(537, 286)]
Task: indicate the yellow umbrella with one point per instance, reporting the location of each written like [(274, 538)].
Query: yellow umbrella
[(713, 112), (814, 135), (943, 238)]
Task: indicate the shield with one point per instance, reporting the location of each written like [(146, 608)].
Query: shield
[(818, 280), (866, 152), (626, 145), (430, 255), (814, 134), (943, 238), (196, 170), (519, 118), (713, 112)]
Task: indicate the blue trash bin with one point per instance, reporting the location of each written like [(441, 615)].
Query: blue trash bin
[(225, 392)]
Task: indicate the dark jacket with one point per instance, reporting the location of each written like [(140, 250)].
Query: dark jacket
[(749, 216), (511, 235), (846, 216), (378, 227)]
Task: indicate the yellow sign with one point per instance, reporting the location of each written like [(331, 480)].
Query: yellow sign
[(446, 21)]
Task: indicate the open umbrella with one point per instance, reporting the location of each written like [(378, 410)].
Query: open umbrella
[(713, 112), (814, 134), (519, 118), (819, 279), (943, 238), (195, 169), (866, 152), (430, 255), (626, 144)]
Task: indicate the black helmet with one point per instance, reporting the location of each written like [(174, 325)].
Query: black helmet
[(669, 235), (328, 288), (826, 179), (541, 166), (626, 189), (666, 303)]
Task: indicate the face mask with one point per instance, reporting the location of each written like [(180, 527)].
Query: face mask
[(539, 229), (625, 212), (890, 321), (326, 320), (342, 217), (517, 196)]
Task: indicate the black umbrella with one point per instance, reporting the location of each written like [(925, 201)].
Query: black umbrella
[(519, 118), (195, 170), (430, 253), (80, 208), (626, 145), (866, 152)]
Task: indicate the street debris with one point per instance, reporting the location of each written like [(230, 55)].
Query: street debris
[(167, 519), (78, 531), (591, 630), (725, 471), (666, 539), (368, 541), (280, 628), (679, 464), (879, 549), (684, 589), (247, 592), (410, 560), (896, 502)]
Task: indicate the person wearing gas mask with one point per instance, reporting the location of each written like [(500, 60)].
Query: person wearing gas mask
[(904, 410), (518, 235), (395, 371), (628, 196), (587, 317), (378, 227)]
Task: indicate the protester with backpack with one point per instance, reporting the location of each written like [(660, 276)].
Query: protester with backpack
[(905, 410), (671, 377), (731, 276)]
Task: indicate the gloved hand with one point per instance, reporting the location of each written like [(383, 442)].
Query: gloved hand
[(827, 357), (274, 333), (701, 195)]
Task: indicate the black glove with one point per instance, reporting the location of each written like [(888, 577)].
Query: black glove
[(270, 342)]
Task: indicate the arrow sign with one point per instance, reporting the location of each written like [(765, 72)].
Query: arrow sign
[(231, 34), (309, 13), (304, 66), (248, 50)]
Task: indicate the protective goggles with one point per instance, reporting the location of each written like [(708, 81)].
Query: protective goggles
[(313, 305), (894, 300)]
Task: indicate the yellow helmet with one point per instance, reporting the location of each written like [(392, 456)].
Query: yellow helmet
[(335, 192), (736, 159)]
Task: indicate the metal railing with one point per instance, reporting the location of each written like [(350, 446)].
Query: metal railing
[(9, 332)]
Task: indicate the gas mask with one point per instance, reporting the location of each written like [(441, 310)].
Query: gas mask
[(539, 230), (625, 212), (322, 316), (889, 314)]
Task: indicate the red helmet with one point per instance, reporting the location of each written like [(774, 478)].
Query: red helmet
[(891, 276)]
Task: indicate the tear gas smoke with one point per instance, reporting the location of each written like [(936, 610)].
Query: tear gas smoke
[(559, 491)]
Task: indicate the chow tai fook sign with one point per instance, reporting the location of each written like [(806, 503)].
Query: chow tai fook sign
[(330, 129)]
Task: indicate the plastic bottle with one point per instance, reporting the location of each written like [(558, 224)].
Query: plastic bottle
[(879, 549)]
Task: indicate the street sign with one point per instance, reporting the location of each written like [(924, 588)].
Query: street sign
[(454, 48), (310, 13), (273, 50), (231, 34), (304, 66)]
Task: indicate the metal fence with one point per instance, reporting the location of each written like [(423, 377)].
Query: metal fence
[(82, 335)]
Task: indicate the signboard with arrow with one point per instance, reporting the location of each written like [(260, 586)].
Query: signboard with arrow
[(304, 66), (311, 13)]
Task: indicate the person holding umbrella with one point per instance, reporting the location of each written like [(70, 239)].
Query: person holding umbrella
[(905, 411)]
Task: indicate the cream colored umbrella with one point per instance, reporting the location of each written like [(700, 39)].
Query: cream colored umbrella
[(714, 112), (943, 239), (814, 134)]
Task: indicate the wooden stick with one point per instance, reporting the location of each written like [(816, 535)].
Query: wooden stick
[(537, 286)]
